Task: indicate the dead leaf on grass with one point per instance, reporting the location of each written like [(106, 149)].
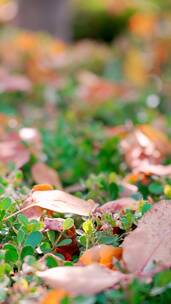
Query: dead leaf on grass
[(150, 241), (87, 280)]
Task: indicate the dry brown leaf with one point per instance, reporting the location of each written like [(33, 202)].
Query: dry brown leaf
[(59, 201), (117, 205), (42, 174), (145, 144), (31, 212), (87, 280), (12, 150), (159, 170), (56, 201), (159, 138), (150, 241)]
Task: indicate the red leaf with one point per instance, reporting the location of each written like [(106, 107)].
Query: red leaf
[(67, 251), (72, 249)]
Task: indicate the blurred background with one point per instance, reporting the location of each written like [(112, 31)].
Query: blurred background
[(125, 41), (78, 19), (90, 67)]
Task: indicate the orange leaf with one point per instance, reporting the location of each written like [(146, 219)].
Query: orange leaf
[(42, 187), (142, 24), (54, 296), (102, 254)]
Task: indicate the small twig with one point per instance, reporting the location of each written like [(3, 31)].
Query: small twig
[(19, 211)]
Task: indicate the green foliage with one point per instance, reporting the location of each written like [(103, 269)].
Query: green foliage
[(68, 223), (34, 239)]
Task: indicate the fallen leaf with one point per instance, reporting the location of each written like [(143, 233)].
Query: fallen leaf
[(62, 202), (87, 280), (150, 241), (35, 212), (159, 138), (42, 174), (101, 254), (42, 187), (56, 201), (68, 251), (55, 224), (117, 205), (145, 144), (142, 25), (12, 150), (159, 170)]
